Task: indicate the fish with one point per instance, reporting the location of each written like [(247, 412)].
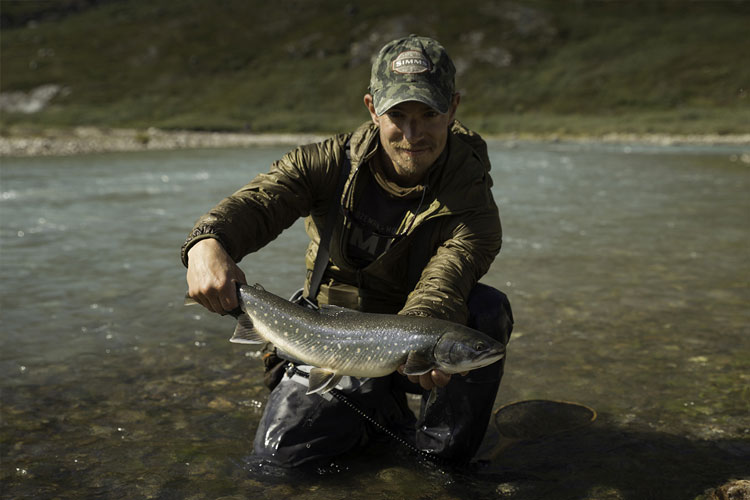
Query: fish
[(339, 342)]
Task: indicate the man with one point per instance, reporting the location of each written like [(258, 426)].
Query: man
[(415, 229)]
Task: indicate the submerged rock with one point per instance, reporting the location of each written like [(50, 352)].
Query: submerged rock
[(738, 489)]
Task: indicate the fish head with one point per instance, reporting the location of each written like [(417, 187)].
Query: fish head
[(463, 349)]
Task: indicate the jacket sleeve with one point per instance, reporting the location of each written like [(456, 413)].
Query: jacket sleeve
[(296, 185), (469, 245)]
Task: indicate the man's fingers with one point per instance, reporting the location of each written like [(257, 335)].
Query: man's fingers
[(216, 306), (240, 278), (429, 380), (215, 301), (212, 276), (228, 296)]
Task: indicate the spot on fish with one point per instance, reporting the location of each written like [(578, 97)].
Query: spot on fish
[(359, 350), (325, 347), (275, 322), (338, 345), (296, 331)]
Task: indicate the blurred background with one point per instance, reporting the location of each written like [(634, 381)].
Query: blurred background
[(533, 66)]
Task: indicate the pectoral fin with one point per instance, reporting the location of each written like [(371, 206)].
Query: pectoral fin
[(245, 332), (418, 364), (322, 380)]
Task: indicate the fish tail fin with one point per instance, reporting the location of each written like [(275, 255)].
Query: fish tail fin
[(189, 301), (245, 332)]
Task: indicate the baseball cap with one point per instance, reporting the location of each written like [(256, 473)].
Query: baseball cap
[(413, 68)]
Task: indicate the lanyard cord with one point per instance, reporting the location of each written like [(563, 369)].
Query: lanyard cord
[(341, 397)]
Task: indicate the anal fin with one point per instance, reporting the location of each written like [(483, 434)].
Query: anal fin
[(322, 380)]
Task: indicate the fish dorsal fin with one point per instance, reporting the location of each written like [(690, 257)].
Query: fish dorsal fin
[(245, 333), (418, 364), (330, 310), (258, 286), (322, 380)]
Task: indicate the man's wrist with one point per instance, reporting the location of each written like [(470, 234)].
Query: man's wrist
[(193, 240)]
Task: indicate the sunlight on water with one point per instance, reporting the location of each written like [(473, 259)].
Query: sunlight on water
[(626, 266)]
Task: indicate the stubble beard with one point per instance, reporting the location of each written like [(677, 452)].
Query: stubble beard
[(412, 167)]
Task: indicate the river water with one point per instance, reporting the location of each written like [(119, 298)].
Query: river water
[(627, 266)]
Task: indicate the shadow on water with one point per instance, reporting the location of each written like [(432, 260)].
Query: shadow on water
[(603, 461), (606, 460)]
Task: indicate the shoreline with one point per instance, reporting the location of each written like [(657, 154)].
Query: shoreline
[(86, 140)]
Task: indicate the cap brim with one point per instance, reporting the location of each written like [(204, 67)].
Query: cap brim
[(410, 92)]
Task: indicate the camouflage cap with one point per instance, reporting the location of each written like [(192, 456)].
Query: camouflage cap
[(414, 68)]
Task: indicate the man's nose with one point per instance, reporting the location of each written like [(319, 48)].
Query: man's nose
[(413, 130)]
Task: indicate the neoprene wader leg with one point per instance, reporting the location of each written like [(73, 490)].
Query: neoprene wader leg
[(453, 422), (296, 428)]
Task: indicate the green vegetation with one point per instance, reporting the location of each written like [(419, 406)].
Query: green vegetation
[(533, 66)]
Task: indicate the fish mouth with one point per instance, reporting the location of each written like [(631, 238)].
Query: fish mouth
[(480, 361), (487, 358)]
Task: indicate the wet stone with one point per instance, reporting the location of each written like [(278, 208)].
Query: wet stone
[(221, 403)]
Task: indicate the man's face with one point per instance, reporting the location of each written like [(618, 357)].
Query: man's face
[(412, 135)]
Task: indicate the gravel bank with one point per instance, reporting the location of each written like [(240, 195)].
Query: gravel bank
[(84, 140)]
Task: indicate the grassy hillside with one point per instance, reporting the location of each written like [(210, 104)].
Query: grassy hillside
[(303, 65)]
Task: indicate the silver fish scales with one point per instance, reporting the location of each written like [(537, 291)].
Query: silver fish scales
[(341, 342)]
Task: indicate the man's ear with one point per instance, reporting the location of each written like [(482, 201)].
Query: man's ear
[(454, 106), (369, 104)]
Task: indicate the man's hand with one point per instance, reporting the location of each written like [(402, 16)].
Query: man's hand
[(431, 379), (212, 276)]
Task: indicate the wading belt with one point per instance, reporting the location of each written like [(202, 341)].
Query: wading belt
[(321, 259)]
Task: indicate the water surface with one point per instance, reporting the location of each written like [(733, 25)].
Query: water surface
[(627, 268)]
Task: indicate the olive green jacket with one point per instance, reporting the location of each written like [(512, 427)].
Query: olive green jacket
[(429, 271)]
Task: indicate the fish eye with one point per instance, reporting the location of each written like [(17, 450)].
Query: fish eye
[(479, 346)]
